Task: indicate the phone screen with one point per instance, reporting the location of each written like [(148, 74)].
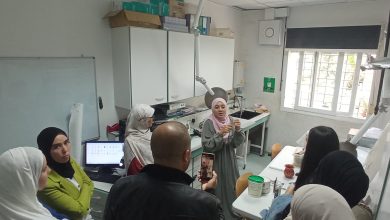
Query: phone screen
[(206, 166)]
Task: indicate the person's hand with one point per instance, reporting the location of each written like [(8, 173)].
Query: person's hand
[(290, 189), (211, 184), (237, 124), (225, 130)]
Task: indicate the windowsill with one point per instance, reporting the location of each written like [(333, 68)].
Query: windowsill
[(337, 118)]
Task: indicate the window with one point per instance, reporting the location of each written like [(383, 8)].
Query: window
[(328, 82)]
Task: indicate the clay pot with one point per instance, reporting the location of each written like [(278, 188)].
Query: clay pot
[(289, 171)]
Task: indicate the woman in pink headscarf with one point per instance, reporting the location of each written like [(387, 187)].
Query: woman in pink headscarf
[(221, 135)]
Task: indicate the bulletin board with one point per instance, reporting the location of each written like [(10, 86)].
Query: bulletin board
[(36, 93)]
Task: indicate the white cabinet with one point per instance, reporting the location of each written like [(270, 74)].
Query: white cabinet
[(121, 66), (154, 66), (148, 49), (180, 66), (140, 66), (215, 63)]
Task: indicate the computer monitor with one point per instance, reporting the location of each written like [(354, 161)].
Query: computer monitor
[(103, 154)]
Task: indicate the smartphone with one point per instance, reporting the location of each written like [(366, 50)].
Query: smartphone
[(206, 166)]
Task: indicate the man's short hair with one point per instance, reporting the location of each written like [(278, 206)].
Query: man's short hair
[(169, 141)]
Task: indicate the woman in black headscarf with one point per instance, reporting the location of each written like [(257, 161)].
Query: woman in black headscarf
[(69, 189), (342, 172)]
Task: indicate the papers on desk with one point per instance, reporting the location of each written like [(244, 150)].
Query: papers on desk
[(362, 153), (373, 133), (285, 157)]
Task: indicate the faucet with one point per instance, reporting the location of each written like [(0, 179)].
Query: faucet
[(239, 100)]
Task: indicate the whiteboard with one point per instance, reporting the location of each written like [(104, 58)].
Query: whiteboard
[(36, 93)]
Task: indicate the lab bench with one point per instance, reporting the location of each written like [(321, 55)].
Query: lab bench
[(248, 124)]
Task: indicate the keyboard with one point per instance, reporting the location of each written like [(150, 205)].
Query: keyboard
[(103, 177)]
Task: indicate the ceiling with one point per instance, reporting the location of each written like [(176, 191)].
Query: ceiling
[(261, 4)]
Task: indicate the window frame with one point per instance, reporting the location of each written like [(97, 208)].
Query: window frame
[(333, 113)]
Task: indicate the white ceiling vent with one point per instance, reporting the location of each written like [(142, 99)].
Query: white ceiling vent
[(270, 32)]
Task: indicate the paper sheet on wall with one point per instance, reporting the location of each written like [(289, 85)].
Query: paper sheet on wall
[(75, 131)]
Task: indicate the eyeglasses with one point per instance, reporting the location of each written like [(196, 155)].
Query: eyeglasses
[(146, 118)]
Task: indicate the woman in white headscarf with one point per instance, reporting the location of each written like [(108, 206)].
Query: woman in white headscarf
[(137, 152), (319, 202), (23, 172)]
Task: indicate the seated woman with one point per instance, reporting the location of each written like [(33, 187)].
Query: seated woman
[(23, 172), (312, 202), (69, 189), (137, 152), (344, 173), (321, 140), (338, 170)]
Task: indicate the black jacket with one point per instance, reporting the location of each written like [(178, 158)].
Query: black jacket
[(160, 192)]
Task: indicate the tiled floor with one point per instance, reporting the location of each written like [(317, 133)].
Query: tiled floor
[(254, 163)]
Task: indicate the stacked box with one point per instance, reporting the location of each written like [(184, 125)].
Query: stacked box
[(174, 24), (176, 8), (136, 6), (132, 18), (155, 7), (203, 25)]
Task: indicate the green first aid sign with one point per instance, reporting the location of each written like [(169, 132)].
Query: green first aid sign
[(269, 84)]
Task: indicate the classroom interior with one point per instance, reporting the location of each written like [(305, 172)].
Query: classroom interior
[(81, 28)]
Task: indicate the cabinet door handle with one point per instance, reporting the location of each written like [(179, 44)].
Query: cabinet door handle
[(175, 96), (159, 99)]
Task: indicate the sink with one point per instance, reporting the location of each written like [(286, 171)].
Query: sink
[(245, 114)]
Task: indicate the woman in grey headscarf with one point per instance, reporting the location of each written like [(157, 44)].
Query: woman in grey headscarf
[(137, 152), (314, 202)]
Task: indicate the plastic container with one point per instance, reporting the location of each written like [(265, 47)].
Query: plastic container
[(255, 185), (298, 157), (266, 186)]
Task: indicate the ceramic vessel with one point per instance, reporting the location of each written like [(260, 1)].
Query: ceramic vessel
[(289, 171)]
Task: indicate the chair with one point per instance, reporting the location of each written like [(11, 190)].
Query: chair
[(275, 149), (242, 183)]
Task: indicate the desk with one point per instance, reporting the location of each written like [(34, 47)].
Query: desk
[(249, 206), (102, 189), (246, 125), (196, 150)]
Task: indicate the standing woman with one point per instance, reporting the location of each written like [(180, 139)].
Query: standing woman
[(23, 172), (69, 189), (321, 140), (221, 135), (137, 151)]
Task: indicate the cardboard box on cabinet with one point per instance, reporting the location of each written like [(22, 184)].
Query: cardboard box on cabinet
[(176, 8), (132, 18)]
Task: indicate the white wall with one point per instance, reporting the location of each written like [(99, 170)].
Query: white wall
[(221, 17), (262, 61), (57, 28)]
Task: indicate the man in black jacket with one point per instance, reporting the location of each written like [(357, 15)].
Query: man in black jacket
[(161, 190)]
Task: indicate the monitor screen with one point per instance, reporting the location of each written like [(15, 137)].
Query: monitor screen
[(103, 153)]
